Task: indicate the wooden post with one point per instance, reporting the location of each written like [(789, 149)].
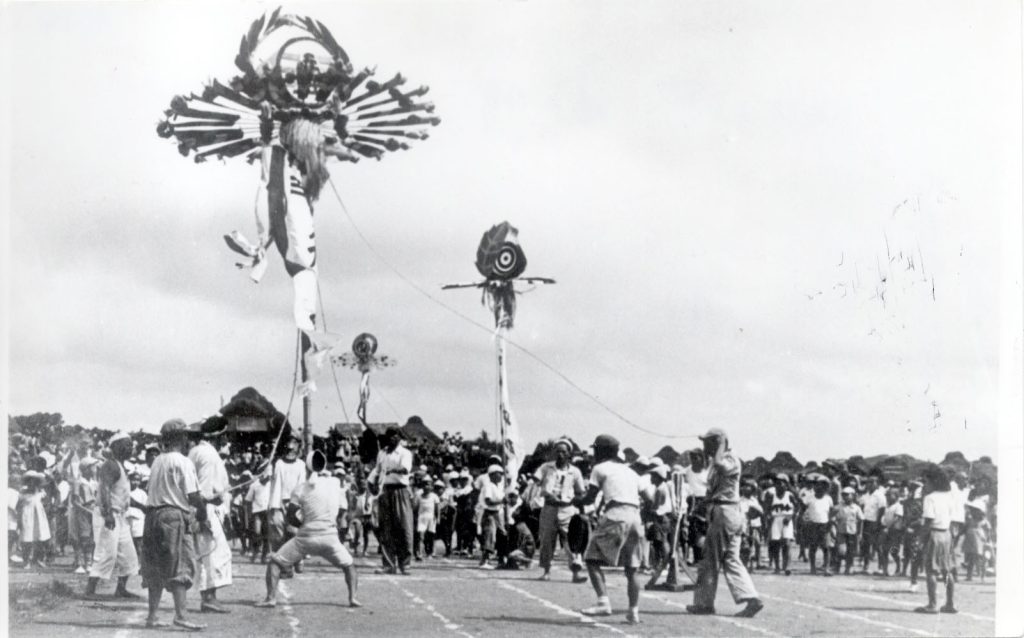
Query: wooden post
[(307, 429)]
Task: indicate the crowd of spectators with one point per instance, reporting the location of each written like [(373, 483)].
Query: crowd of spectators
[(855, 519)]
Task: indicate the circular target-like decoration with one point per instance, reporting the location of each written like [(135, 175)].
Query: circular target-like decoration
[(510, 261), (364, 345)]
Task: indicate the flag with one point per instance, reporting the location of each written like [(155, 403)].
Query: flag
[(364, 395), (284, 217), (509, 427)]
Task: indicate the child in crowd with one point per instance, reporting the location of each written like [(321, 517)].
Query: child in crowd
[(817, 517), (13, 498), (136, 512), (82, 501), (891, 533), (782, 509), (849, 521), (752, 515), (805, 493), (525, 546), (426, 521), (357, 516), (912, 510), (257, 501), (977, 545), (35, 528)]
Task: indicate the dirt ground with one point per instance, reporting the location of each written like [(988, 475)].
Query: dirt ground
[(451, 598)]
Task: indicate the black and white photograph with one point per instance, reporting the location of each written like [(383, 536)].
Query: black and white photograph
[(496, 318)]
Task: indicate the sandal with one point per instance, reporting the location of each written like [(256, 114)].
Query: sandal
[(188, 626)]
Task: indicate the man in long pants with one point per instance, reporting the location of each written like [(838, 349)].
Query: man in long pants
[(391, 474), (559, 483), (725, 527), (115, 553), (212, 548)]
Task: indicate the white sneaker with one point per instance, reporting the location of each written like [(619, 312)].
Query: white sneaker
[(80, 570), (597, 610), (632, 619), (486, 566), (912, 588)]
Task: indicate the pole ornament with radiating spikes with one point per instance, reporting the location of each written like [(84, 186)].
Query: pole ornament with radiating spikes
[(292, 67), (296, 104)]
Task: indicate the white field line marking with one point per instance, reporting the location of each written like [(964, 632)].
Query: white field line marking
[(846, 614), (889, 599), (906, 603), (546, 603), (561, 610), (731, 621), (448, 624), (405, 579), (286, 607)]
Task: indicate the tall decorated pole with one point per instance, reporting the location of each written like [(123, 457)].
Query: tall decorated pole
[(297, 103), (501, 261), (364, 358)]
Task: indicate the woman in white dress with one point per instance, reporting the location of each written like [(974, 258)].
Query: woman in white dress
[(35, 528)]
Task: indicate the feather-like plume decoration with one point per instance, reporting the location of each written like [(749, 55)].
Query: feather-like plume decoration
[(316, 82)]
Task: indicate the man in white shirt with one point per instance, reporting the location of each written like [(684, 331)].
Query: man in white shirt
[(168, 547), (288, 473), (558, 482), (615, 539), (318, 501), (395, 523), (211, 543)]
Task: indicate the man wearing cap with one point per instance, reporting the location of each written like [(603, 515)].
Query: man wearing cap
[(211, 544), (168, 548), (115, 553), (288, 473), (725, 528), (558, 483), (391, 475), (615, 540), (319, 501)]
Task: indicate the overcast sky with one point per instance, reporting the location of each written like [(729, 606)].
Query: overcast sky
[(719, 190)]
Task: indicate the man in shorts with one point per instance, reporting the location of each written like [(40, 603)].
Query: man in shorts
[(318, 501), (615, 540), (168, 548)]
